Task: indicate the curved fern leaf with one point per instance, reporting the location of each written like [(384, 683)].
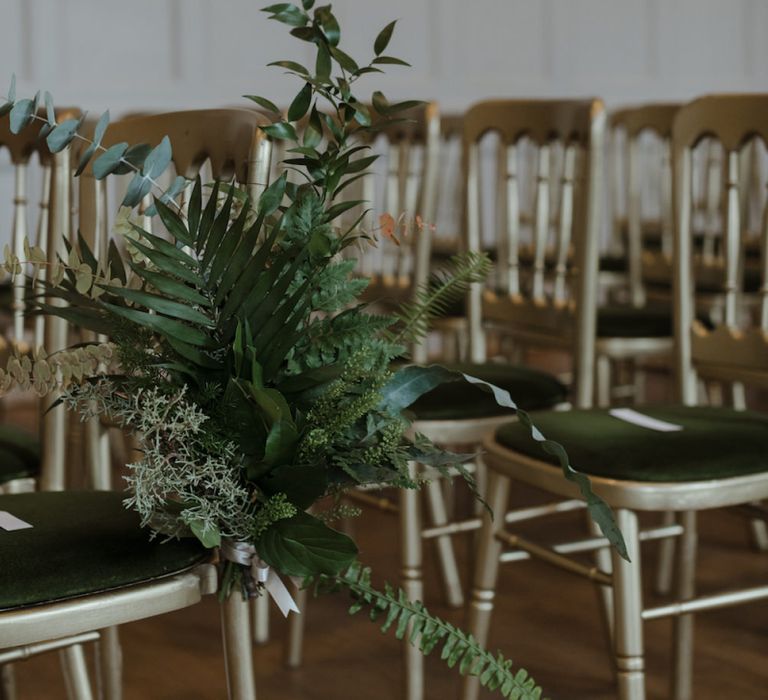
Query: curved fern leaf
[(422, 629)]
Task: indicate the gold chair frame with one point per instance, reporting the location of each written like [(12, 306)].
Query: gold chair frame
[(727, 353)]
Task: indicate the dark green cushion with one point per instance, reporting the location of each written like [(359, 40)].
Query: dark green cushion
[(714, 443), (80, 543), (613, 263), (529, 388), (19, 454), (631, 322)]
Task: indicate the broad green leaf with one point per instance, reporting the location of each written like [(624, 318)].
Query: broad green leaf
[(101, 127), (163, 325), (305, 546), (290, 65), (194, 209), (340, 208), (407, 104), (158, 159), (62, 134), (362, 115), (169, 264), (108, 161), (280, 130), (302, 484), (411, 382), (227, 246), (138, 188), (21, 115), (133, 158), (173, 223), (300, 103), (290, 15), (329, 24), (313, 133), (307, 4), (272, 197), (50, 115), (162, 305), (168, 285), (380, 103), (207, 533), (382, 40), (323, 63), (263, 102), (389, 60), (360, 164), (192, 354), (218, 229), (344, 60)]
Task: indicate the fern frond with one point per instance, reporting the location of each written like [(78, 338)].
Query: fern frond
[(414, 622), (445, 288)]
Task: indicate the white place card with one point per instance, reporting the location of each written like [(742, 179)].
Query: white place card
[(11, 522), (629, 415)]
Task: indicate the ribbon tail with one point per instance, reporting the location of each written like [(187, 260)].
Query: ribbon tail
[(280, 594)]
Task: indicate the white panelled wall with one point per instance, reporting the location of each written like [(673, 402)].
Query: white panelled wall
[(130, 55)]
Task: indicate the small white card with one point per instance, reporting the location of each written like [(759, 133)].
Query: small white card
[(629, 415), (11, 522)]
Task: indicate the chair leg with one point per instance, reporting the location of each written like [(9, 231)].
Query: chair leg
[(238, 659), (603, 378), (111, 664), (98, 455), (76, 672), (759, 530), (411, 552), (682, 680), (628, 606), (665, 567), (260, 608), (604, 562), (486, 572), (446, 555), (7, 682), (294, 648)]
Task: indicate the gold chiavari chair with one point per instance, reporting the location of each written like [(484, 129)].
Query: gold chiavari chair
[(21, 454), (683, 458), (85, 564)]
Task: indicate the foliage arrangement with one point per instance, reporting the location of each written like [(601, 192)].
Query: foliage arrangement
[(239, 351)]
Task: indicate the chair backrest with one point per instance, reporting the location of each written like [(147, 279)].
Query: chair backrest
[(28, 179), (54, 225), (541, 301), (227, 143), (642, 171), (734, 346), (403, 184)]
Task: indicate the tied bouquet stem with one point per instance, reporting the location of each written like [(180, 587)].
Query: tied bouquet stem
[(259, 386)]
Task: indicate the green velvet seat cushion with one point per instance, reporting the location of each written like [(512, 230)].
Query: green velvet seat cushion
[(81, 543), (714, 443), (613, 263), (630, 322), (529, 388), (19, 454)]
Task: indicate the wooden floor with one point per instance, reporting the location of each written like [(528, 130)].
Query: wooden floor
[(546, 621)]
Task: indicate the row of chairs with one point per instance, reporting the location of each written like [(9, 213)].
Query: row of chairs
[(545, 290)]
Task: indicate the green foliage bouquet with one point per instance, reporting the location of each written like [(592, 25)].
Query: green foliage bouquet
[(258, 385)]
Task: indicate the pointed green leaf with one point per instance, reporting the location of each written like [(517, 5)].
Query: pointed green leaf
[(382, 40), (263, 102), (109, 161), (300, 103)]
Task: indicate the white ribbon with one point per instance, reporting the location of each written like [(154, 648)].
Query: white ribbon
[(246, 554)]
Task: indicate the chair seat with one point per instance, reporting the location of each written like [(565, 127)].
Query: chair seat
[(81, 543), (630, 322), (529, 388), (715, 443), (19, 454)]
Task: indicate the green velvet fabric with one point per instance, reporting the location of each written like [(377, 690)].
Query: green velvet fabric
[(630, 322), (81, 543), (715, 443), (529, 388), (19, 454), (613, 263)]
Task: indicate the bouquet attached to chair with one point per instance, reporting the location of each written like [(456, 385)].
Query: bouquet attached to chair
[(237, 351)]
